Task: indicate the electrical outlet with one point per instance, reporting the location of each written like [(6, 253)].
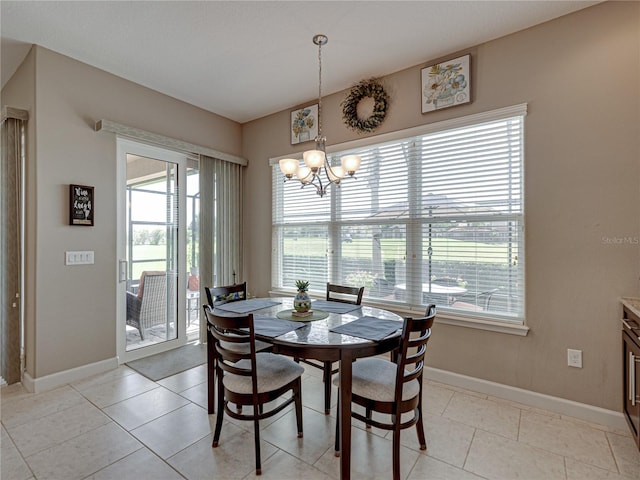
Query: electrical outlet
[(574, 358)]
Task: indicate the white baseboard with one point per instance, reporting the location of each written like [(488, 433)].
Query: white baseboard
[(58, 379), (582, 411)]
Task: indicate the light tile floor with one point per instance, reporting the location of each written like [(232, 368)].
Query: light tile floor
[(120, 426)]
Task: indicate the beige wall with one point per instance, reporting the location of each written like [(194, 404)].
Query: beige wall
[(71, 311), (580, 76)]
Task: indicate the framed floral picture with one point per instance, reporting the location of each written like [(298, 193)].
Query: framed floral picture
[(304, 124), (446, 84)]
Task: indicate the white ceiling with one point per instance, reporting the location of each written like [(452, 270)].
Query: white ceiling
[(247, 59)]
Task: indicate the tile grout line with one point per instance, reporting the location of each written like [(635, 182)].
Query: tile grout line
[(613, 455), (277, 450)]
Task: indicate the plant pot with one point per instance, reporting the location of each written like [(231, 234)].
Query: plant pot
[(302, 302)]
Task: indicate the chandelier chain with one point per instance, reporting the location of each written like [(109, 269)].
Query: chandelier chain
[(320, 89), (316, 163)]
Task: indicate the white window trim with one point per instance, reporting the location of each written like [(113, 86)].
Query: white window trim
[(445, 316), (506, 112)]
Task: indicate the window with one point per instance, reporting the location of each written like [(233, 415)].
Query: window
[(436, 217)]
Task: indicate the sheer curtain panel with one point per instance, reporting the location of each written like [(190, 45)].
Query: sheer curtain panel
[(13, 150)]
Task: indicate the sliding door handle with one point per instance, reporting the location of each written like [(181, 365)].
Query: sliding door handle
[(632, 379), (122, 271)]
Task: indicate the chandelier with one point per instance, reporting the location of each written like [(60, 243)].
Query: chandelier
[(316, 165)]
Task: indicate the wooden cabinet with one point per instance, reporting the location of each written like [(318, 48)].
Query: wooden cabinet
[(631, 369)]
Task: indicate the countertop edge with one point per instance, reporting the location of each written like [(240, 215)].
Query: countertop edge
[(632, 303)]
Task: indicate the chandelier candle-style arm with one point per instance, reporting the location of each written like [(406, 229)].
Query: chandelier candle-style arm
[(316, 160)]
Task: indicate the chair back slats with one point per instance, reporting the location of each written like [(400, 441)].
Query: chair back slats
[(231, 347), (224, 323), (232, 368), (412, 349), (226, 293), (343, 291), (394, 388), (229, 367), (232, 356), (230, 332), (416, 360), (416, 351)]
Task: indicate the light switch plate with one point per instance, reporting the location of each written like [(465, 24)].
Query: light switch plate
[(85, 257)]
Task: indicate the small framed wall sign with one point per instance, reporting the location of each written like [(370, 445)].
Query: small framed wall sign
[(304, 124), (446, 84), (81, 205)]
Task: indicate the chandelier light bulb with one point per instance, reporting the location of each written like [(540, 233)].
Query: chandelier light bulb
[(289, 166), (305, 175), (335, 173), (351, 163), (314, 159)]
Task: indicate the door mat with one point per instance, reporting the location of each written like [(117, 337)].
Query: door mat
[(162, 365)]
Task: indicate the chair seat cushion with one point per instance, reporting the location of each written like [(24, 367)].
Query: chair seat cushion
[(273, 371), (375, 378)]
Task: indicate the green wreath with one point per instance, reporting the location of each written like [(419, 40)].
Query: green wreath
[(366, 88)]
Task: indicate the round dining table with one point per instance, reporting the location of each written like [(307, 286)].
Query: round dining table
[(315, 340)]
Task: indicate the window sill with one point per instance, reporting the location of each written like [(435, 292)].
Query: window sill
[(444, 316), (467, 320), (471, 321)]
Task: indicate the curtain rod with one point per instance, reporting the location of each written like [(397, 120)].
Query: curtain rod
[(18, 114), (155, 138)]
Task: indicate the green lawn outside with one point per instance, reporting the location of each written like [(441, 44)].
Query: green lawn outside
[(394, 248), (144, 252)]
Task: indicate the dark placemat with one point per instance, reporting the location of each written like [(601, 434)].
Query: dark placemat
[(315, 315), (371, 328), (273, 327), (246, 306), (334, 307)]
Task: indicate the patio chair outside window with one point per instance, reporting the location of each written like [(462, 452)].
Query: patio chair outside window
[(149, 306)]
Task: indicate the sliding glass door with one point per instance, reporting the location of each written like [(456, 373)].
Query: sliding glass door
[(152, 238)]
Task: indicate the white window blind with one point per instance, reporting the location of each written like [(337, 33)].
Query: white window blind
[(434, 218)]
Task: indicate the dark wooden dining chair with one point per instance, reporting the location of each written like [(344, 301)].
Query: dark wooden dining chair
[(226, 293), (219, 296), (393, 388), (247, 377), (344, 294), (352, 295)]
